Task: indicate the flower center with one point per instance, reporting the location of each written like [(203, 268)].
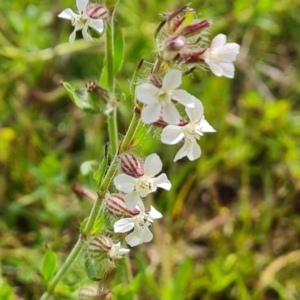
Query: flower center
[(190, 132), (143, 186), (80, 20), (164, 97), (215, 54)]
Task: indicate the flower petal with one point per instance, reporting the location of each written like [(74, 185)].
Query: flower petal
[(134, 238), (170, 114), (194, 151), (162, 182), (172, 134), (154, 214), (171, 80), (215, 68), (229, 52), (132, 200), (151, 113), (67, 14), (85, 34), (183, 97), (124, 225), (195, 113), (153, 165), (218, 41), (97, 24), (204, 126), (147, 235), (228, 69), (183, 151), (82, 4), (72, 36), (147, 93), (124, 183)]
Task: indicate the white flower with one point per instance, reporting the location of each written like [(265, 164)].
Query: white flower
[(116, 252), (142, 186), (159, 100), (81, 21), (190, 133), (140, 225), (220, 56)]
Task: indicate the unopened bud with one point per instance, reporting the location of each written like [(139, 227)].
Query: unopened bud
[(174, 20), (194, 28), (191, 56), (132, 165), (91, 292), (175, 43), (156, 80), (96, 11), (94, 89), (115, 205)]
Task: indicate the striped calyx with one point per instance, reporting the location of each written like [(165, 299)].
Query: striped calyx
[(116, 206), (132, 165), (96, 11), (99, 245)]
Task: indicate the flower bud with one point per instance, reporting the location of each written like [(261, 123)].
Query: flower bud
[(175, 43), (95, 90), (115, 205), (174, 20), (132, 165), (194, 28), (91, 292), (96, 11), (190, 56)]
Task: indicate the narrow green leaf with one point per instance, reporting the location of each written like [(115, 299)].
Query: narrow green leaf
[(83, 225), (48, 266), (98, 175), (118, 49)]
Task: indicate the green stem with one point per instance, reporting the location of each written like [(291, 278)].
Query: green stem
[(113, 131), (112, 117), (133, 126)]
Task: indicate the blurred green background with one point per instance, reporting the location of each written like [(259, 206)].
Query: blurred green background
[(231, 226)]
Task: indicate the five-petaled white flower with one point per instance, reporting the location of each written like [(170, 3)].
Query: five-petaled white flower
[(81, 21), (116, 252), (220, 56), (140, 225), (142, 186), (159, 100), (191, 132)]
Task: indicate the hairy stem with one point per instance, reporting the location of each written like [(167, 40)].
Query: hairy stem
[(112, 117)]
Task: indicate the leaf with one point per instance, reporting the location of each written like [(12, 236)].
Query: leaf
[(81, 100), (83, 225), (99, 174), (48, 265), (118, 49)]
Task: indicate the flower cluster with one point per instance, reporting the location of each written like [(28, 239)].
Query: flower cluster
[(180, 43), (184, 44)]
